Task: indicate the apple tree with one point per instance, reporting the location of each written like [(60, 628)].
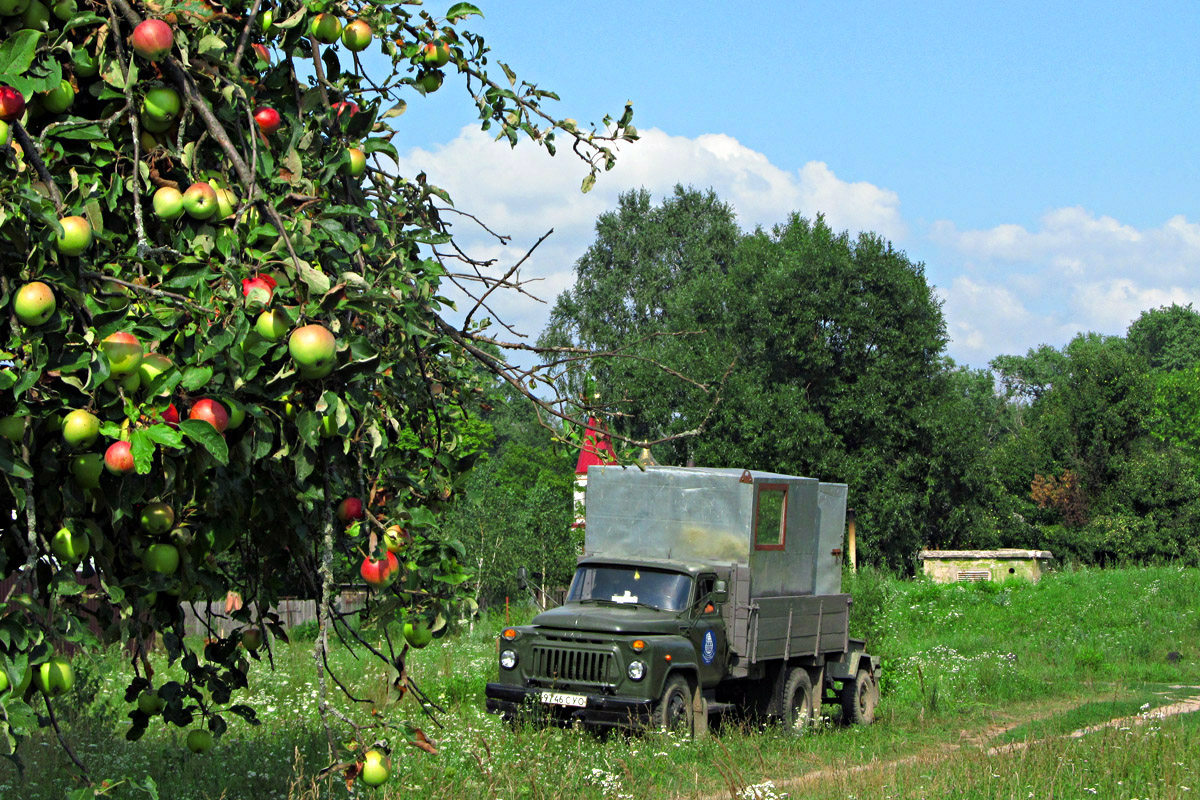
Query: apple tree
[(222, 318)]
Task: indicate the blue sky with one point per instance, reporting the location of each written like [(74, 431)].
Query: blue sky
[(1040, 159)]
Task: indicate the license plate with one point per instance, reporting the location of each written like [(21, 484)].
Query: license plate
[(560, 699)]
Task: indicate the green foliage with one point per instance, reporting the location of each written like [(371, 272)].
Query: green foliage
[(822, 353), (390, 418), (1168, 338)]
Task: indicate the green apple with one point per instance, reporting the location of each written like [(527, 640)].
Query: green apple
[(65, 9), (272, 325), (124, 353), (157, 518), (162, 558), (226, 202), (357, 163), (87, 468), (356, 36), (76, 236), (151, 366), (417, 635), (199, 741), (325, 28), (252, 638), (20, 688), (237, 414), (80, 428), (162, 104), (430, 81), (36, 17), (375, 769), (34, 304), (70, 545), (313, 348), (149, 703), (168, 203), (60, 98), (13, 428), (153, 125), (200, 201), (13, 8), (55, 677)]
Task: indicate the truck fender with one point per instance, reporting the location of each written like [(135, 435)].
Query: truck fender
[(682, 662)]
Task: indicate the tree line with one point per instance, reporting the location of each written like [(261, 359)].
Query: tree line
[(814, 352)]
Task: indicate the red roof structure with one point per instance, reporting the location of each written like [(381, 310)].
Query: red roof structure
[(597, 448)]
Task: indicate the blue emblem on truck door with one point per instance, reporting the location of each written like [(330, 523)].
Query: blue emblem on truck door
[(709, 651)]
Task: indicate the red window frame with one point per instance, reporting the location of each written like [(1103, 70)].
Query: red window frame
[(772, 487)]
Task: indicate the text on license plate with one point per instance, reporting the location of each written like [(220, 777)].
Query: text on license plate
[(560, 699)]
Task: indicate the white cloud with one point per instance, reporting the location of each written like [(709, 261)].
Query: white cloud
[(523, 193), (1018, 288)]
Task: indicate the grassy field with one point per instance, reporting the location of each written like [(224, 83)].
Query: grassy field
[(984, 685)]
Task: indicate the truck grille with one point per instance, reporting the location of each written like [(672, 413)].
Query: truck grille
[(573, 666)]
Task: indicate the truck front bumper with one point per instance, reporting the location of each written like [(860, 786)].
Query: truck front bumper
[(605, 710)]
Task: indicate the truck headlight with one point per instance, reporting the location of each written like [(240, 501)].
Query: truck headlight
[(637, 670), (508, 659)]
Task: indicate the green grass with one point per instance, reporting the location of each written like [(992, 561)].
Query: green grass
[(966, 668)]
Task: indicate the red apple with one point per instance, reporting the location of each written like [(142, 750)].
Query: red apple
[(171, 416), (350, 509), (263, 53), (380, 572), (118, 459), (152, 39), (12, 104), (435, 53), (268, 120), (342, 105), (211, 412), (259, 289)]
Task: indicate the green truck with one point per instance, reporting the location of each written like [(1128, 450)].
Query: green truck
[(699, 591)]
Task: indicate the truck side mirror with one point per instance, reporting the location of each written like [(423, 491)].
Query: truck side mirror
[(720, 593)]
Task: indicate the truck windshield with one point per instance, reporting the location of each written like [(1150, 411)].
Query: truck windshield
[(669, 591)]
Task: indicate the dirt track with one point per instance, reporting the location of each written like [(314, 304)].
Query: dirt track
[(1186, 706)]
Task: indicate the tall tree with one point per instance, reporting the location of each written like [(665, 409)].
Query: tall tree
[(1168, 338), (836, 345)]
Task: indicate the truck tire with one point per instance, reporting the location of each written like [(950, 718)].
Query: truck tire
[(674, 710), (796, 702), (859, 698)]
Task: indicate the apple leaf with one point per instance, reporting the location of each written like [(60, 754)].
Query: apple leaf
[(16, 54), (14, 466), (42, 77), (142, 448), (460, 10), (165, 435), (195, 377), (206, 435)]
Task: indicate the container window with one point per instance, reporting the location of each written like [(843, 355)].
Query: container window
[(770, 517)]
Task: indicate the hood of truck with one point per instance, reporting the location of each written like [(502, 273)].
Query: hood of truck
[(610, 619)]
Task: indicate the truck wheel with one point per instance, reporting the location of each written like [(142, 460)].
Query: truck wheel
[(674, 709), (796, 702), (859, 699)]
